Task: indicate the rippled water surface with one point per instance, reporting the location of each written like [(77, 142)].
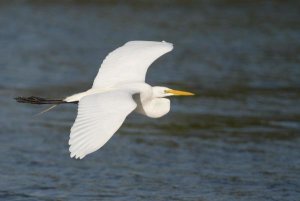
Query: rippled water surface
[(238, 139)]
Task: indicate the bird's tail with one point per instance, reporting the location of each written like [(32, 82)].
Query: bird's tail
[(38, 100)]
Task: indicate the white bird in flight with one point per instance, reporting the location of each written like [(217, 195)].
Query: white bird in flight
[(118, 89)]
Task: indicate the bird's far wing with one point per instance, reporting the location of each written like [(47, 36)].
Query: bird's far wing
[(129, 63), (99, 117)]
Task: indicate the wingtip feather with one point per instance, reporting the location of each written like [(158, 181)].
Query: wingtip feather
[(76, 156)]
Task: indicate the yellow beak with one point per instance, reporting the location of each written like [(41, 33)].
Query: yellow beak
[(179, 93)]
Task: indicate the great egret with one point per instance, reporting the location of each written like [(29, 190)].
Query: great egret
[(118, 89)]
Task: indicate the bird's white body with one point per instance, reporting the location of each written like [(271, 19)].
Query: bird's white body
[(118, 89), (147, 103)]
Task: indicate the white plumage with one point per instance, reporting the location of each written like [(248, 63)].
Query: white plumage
[(99, 117), (130, 62), (118, 89)]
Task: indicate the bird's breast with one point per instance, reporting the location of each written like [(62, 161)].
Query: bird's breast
[(154, 108)]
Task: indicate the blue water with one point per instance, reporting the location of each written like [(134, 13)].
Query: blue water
[(238, 139)]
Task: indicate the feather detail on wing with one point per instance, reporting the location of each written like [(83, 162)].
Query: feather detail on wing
[(130, 62), (99, 117)]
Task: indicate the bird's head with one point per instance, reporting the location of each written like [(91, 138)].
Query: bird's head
[(161, 92)]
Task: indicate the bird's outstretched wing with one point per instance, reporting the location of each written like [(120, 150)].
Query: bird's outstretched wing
[(130, 62), (99, 117)]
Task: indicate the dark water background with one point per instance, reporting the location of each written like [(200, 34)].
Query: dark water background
[(238, 139)]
